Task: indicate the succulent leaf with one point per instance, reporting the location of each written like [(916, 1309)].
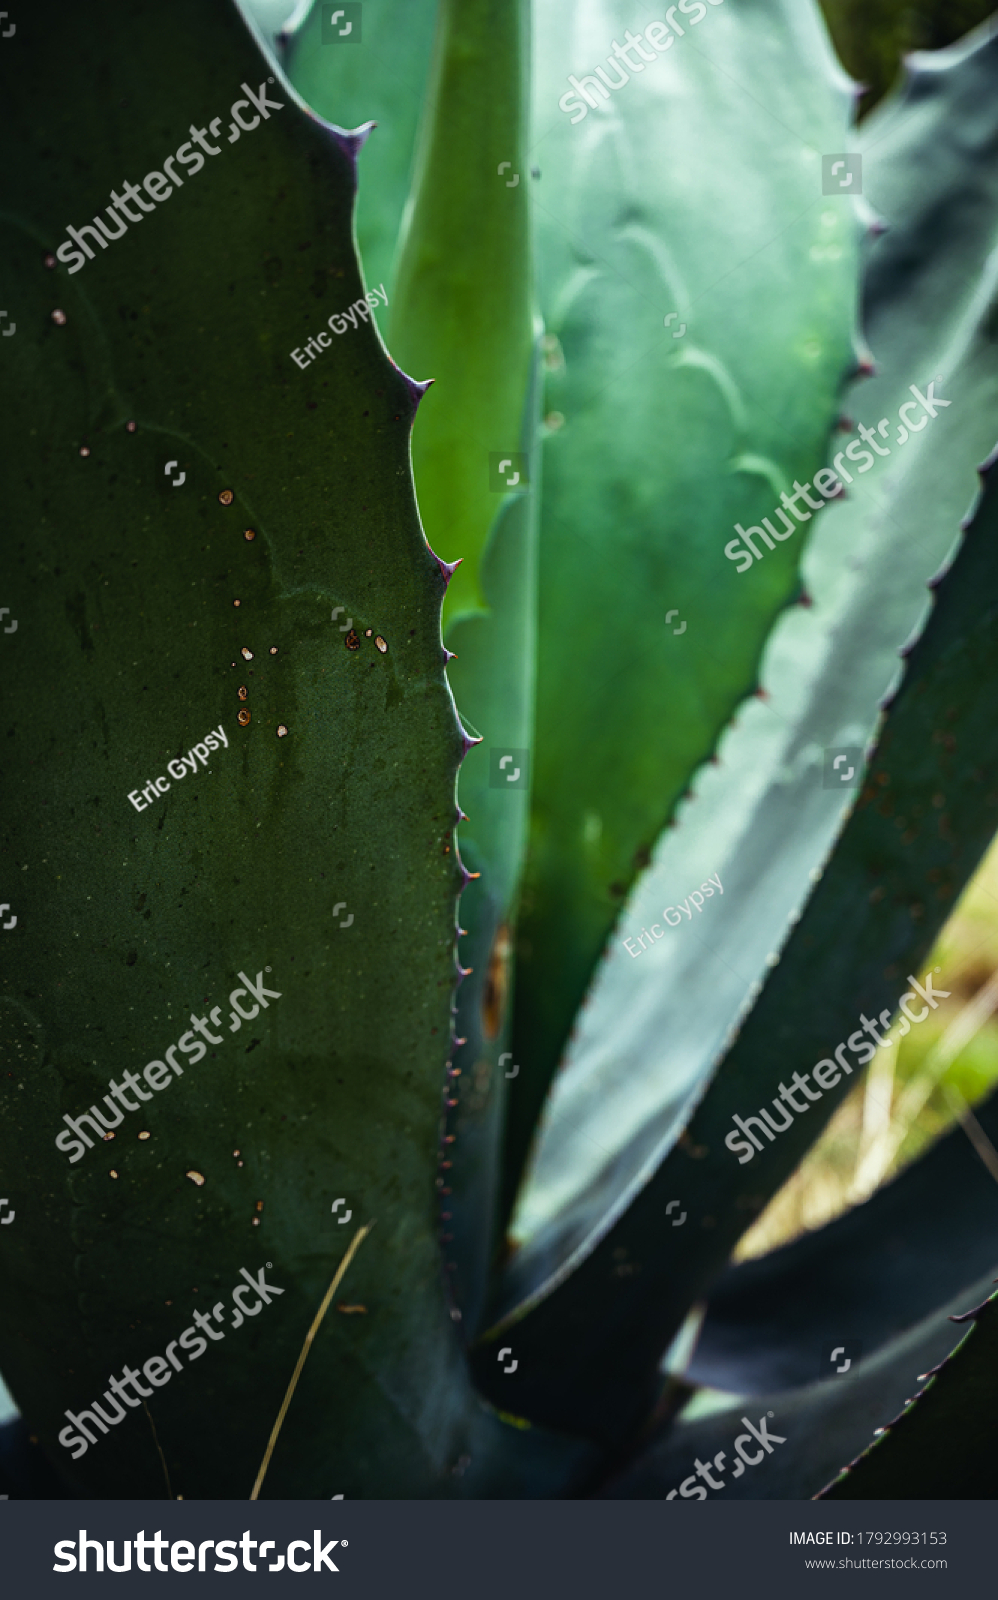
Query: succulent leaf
[(874, 1272), (764, 820), (473, 133), (941, 1446), (881, 884), (818, 1424), (315, 861), (381, 79), (661, 440)]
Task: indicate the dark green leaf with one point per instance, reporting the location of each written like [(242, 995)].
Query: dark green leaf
[(942, 1446), (128, 649), (636, 1277), (871, 1273), (819, 1424), (694, 195)]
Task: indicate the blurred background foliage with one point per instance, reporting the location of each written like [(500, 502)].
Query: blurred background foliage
[(871, 36), (911, 1094)]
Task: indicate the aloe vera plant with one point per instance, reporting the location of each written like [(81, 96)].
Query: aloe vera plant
[(443, 794)]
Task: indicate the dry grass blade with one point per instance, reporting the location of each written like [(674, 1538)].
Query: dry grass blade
[(169, 1490), (355, 1245)]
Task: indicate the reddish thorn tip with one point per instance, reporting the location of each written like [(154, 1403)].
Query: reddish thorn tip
[(448, 568), (352, 140)]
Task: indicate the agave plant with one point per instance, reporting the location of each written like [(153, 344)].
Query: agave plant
[(508, 670)]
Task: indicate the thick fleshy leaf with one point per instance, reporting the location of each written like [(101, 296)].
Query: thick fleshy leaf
[(311, 850), (492, 680), (872, 1273), (462, 314), (701, 294), (377, 77), (872, 40), (634, 1276), (466, 305), (461, 311), (823, 1422), (942, 1446), (764, 820)]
